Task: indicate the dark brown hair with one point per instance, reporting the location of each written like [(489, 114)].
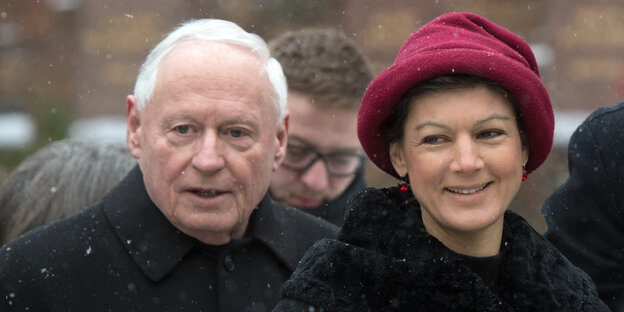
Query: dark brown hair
[(392, 128), (323, 64)]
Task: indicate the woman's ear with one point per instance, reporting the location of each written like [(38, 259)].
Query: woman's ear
[(525, 155), (397, 157)]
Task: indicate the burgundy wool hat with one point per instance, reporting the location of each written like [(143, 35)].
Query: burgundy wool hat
[(459, 43)]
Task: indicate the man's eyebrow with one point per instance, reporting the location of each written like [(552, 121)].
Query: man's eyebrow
[(239, 120), (308, 144), (300, 140), (177, 117)]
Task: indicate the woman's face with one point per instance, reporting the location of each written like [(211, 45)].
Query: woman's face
[(463, 154)]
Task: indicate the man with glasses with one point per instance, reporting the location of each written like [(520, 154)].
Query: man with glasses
[(327, 75)]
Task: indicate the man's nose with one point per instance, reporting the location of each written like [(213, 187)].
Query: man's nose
[(316, 177), (208, 154), (466, 156)]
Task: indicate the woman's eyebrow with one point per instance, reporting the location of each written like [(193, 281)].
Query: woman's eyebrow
[(493, 117), (477, 123), (431, 124)]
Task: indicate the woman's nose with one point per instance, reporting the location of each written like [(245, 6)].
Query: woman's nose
[(467, 156)]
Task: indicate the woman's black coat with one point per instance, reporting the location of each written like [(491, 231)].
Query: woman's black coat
[(384, 260), (123, 255)]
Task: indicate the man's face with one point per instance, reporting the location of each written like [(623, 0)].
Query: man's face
[(209, 139), (319, 129)]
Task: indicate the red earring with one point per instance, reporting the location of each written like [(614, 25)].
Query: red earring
[(524, 173), (402, 185)]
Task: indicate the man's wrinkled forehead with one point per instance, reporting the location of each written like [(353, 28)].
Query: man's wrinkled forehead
[(195, 63), (220, 55)]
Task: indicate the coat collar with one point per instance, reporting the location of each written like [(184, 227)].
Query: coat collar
[(269, 225), (157, 246), (385, 255)]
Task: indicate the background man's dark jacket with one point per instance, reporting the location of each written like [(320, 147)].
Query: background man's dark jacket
[(123, 255), (585, 215)]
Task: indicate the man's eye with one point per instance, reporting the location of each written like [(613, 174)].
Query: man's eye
[(297, 151), (184, 129), (235, 133)]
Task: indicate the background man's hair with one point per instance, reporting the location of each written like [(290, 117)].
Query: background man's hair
[(323, 64)]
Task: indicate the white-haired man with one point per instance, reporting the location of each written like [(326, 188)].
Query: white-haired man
[(192, 227)]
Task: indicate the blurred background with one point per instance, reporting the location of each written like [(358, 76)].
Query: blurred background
[(66, 66)]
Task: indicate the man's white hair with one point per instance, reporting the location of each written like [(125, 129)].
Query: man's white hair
[(210, 30)]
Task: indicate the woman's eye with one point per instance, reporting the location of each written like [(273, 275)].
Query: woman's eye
[(433, 140), (489, 134), (184, 129)]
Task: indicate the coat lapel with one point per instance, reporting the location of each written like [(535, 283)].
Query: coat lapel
[(154, 244)]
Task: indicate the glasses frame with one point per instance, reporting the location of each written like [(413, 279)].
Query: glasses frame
[(325, 158)]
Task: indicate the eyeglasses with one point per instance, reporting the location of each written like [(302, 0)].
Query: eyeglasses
[(338, 164)]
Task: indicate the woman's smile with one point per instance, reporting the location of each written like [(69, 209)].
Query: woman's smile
[(467, 190)]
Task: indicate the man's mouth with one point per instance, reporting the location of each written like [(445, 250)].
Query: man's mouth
[(305, 202), (207, 193), (468, 191)]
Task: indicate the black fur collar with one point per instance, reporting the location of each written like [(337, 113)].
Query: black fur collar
[(384, 260)]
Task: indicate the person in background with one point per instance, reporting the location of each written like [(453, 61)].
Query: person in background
[(192, 227), (585, 215), (461, 118), (324, 165), (58, 181)]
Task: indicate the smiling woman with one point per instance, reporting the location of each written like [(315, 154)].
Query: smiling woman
[(461, 118), (462, 153)]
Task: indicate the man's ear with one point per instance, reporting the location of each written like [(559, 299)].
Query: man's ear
[(398, 158), (133, 127), (282, 141)]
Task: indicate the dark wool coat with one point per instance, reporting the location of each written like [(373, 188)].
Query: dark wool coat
[(585, 215), (384, 260), (123, 255), (334, 211)]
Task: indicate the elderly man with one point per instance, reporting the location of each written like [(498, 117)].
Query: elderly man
[(191, 228), (327, 76)]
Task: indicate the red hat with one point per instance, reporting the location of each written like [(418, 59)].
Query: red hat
[(459, 43)]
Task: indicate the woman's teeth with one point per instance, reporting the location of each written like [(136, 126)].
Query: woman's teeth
[(467, 191)]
